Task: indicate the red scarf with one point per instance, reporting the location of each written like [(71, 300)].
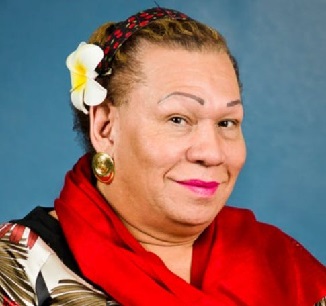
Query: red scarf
[(236, 260)]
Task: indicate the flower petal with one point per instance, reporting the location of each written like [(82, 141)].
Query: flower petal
[(89, 55), (72, 58), (77, 98), (94, 93)]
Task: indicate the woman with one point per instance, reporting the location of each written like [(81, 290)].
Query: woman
[(141, 218)]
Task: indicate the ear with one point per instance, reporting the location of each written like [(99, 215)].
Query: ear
[(102, 119)]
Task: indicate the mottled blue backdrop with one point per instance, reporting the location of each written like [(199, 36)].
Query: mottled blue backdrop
[(281, 49)]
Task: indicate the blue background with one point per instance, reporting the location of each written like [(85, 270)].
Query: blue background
[(281, 49)]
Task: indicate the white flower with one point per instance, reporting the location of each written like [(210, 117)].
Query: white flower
[(82, 64)]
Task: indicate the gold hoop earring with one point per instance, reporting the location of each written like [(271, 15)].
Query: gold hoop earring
[(103, 167)]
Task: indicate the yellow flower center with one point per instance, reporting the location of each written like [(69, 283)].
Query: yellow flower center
[(78, 78)]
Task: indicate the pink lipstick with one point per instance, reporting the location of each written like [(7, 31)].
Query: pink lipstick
[(202, 188)]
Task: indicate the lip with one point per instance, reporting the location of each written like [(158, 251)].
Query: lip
[(199, 187)]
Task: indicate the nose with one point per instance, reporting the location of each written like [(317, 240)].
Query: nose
[(207, 146)]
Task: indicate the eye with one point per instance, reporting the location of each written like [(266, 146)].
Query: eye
[(178, 120), (228, 123)]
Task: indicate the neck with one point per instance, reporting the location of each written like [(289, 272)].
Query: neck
[(176, 254), (177, 258)]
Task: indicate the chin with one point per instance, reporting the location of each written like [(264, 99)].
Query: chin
[(198, 218)]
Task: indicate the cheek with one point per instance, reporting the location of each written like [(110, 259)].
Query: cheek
[(143, 146), (141, 151), (156, 154), (237, 157), (156, 146)]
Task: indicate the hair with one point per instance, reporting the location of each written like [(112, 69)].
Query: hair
[(187, 34)]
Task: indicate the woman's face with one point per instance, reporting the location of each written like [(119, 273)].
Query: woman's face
[(177, 142)]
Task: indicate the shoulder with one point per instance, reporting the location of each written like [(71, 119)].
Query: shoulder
[(245, 220), (26, 274), (287, 259), (17, 243), (269, 237)]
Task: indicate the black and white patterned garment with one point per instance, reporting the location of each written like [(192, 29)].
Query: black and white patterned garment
[(32, 273)]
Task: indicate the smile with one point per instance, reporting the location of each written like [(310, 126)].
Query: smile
[(201, 188)]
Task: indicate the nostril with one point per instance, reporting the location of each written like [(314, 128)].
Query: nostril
[(200, 162)]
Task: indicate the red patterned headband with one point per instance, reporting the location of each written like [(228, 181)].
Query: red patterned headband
[(123, 30), (85, 90)]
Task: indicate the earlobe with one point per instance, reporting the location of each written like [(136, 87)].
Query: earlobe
[(101, 120)]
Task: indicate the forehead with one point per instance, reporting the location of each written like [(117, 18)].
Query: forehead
[(175, 68)]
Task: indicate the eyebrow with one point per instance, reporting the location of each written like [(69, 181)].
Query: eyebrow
[(233, 103), (201, 101)]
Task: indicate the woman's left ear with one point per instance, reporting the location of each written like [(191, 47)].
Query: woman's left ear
[(102, 119)]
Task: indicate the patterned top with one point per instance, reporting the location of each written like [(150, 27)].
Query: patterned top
[(33, 273)]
